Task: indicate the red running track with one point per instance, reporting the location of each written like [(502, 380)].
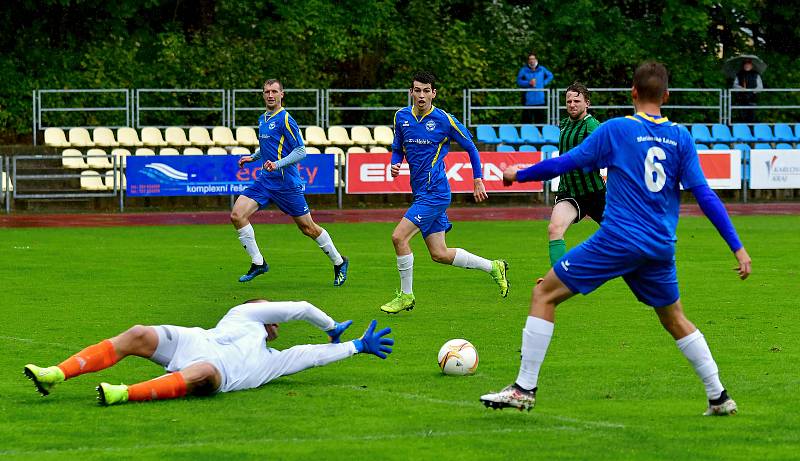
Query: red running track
[(333, 216)]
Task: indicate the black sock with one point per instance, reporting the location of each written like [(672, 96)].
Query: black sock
[(721, 399), (525, 390)]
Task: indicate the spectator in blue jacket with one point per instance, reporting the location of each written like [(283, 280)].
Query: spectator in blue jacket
[(532, 75)]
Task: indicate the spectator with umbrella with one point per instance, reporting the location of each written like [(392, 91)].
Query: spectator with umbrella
[(746, 72)]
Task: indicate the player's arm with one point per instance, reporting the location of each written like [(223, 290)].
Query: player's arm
[(462, 136), (250, 158), (286, 311), (397, 149)]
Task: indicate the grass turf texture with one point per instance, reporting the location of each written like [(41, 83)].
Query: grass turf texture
[(613, 386)]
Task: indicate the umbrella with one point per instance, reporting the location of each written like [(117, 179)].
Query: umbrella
[(733, 65)]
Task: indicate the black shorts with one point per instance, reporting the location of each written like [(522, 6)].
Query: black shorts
[(591, 205)]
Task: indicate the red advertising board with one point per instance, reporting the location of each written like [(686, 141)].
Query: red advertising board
[(370, 173)]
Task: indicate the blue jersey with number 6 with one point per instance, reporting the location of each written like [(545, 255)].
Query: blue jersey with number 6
[(648, 158)]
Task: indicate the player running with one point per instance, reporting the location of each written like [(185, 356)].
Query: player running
[(281, 147), (422, 136), (648, 158), (232, 356)]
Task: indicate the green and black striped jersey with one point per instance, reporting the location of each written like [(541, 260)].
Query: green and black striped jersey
[(576, 182)]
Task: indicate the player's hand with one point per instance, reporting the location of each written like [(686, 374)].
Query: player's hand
[(744, 268), (373, 342), (480, 190), (395, 170), (269, 165), (245, 159), (336, 332), (510, 175)]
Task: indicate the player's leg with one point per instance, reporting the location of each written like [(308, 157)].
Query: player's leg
[(138, 340), (401, 236), (563, 215), (201, 378), (312, 230), (244, 207)]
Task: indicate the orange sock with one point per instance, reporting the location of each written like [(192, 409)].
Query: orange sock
[(94, 358), (169, 386)]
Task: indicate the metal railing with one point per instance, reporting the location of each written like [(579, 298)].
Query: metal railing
[(375, 102), (58, 102), (495, 103), (312, 104), (19, 189), (6, 183), (209, 112), (786, 100)]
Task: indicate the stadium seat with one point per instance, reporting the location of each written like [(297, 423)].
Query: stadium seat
[(338, 152), (720, 147), (784, 146), (548, 149), (98, 160), (91, 180), (176, 137), (721, 133), (701, 146), (73, 159), (550, 134), (356, 150), (152, 137), (312, 150), (128, 137), (762, 145), (505, 148), (240, 150), (338, 136), (744, 148), (223, 136), (361, 136), (79, 137), (3, 181), (508, 134), (246, 136), (700, 133), (383, 135), (144, 151), (315, 136), (783, 133), (104, 137), (530, 134), (528, 148), (198, 151), (378, 150), (337, 179), (198, 136), (121, 155), (211, 151), (797, 131), (485, 134), (741, 132), (55, 137), (763, 133), (109, 182), (169, 151)]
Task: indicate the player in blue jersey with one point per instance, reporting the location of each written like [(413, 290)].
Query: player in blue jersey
[(648, 158), (422, 136), (280, 148)]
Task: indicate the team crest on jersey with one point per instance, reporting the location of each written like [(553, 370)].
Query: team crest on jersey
[(430, 126), (272, 126), (405, 122)]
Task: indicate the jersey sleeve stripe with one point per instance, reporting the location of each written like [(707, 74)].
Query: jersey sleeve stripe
[(453, 123), (289, 127)]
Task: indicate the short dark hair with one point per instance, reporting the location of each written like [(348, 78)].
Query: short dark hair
[(650, 80), (274, 80), (251, 301), (424, 77), (578, 87)]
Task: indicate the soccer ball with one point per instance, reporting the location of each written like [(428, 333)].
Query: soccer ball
[(458, 357)]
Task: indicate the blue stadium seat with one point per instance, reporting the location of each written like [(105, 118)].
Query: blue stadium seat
[(783, 146), (505, 148), (741, 132), (508, 133), (763, 133), (762, 145), (797, 131), (783, 133), (548, 149), (721, 133), (700, 133), (699, 146), (530, 134), (550, 134), (720, 147), (485, 133), (528, 148), (742, 147)]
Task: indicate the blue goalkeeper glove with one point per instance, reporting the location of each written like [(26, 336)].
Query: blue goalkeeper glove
[(336, 332), (373, 342)]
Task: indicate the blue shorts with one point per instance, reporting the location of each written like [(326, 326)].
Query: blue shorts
[(602, 258), (429, 218), (290, 201)]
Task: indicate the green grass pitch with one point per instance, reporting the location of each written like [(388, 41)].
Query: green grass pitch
[(613, 386)]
